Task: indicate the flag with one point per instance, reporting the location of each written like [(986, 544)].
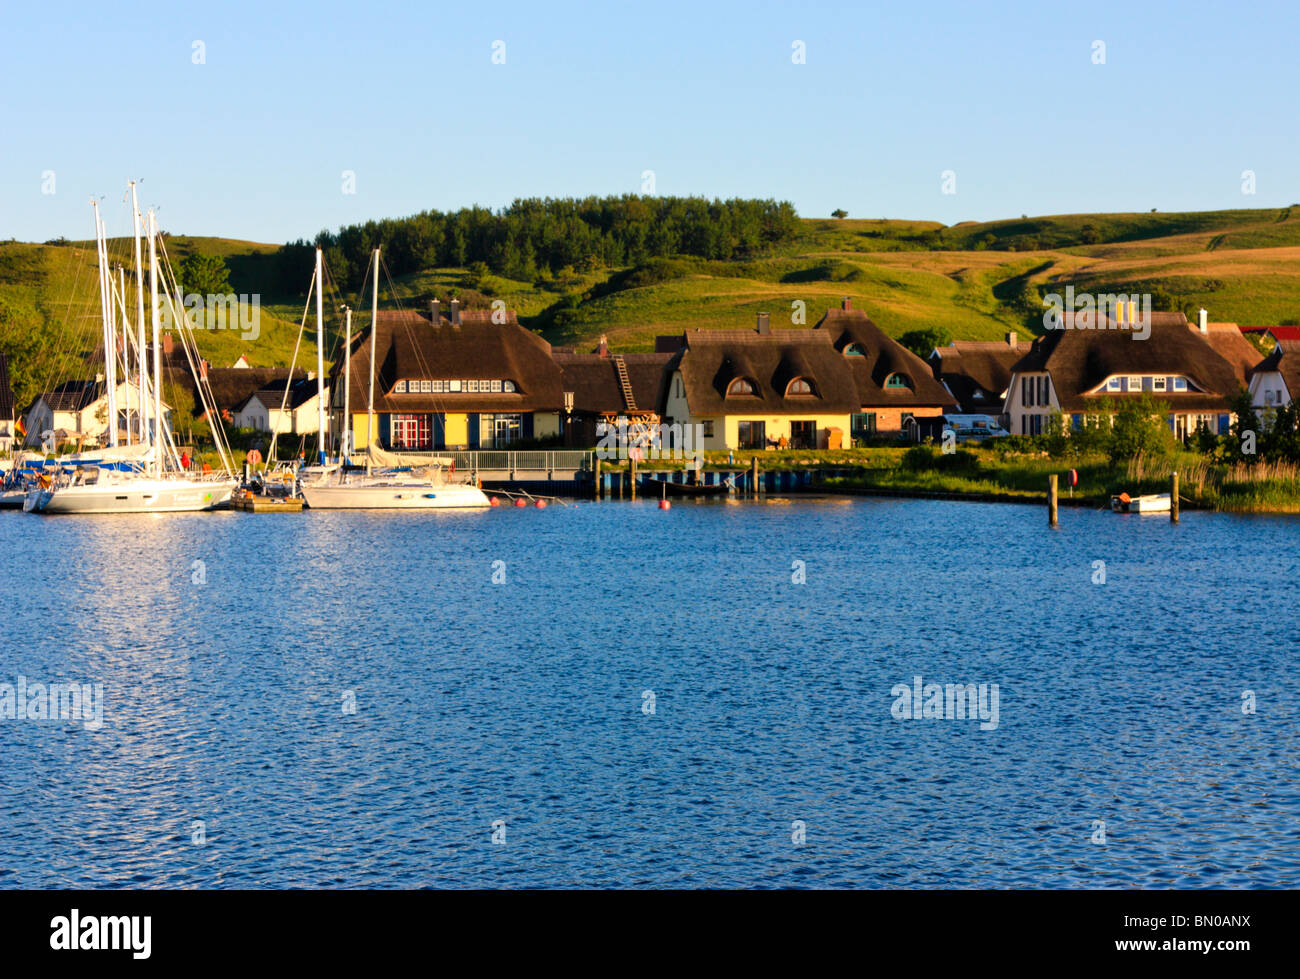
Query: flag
[(20, 427)]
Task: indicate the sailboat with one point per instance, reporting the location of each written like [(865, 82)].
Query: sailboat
[(338, 488), (145, 477)]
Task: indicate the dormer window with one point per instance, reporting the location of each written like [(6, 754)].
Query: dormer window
[(740, 386), (854, 350), (399, 387), (799, 387), (897, 381)]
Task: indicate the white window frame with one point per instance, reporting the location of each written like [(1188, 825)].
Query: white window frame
[(1112, 384), (453, 387), (1159, 383)]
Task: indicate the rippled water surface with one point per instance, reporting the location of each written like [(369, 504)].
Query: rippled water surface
[(526, 701)]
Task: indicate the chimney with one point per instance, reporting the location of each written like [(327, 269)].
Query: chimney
[(764, 325), (435, 312), (1012, 340), (1202, 320), (455, 312), (846, 303), (602, 348)]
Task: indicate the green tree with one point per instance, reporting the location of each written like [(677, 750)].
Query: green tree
[(204, 274), (1140, 428), (1246, 441), (922, 342), (839, 212), (20, 331)]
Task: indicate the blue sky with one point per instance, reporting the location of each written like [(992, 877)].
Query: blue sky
[(253, 142)]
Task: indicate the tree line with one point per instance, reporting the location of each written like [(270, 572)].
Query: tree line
[(536, 237)]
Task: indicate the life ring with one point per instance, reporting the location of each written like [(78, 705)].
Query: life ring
[(254, 458)]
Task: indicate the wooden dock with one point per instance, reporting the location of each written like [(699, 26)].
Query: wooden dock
[(267, 504)]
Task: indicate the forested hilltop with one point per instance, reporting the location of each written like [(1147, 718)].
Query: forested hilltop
[(534, 236)]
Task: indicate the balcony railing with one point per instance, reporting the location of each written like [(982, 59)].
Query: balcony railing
[(524, 461)]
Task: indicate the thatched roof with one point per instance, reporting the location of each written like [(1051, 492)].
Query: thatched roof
[(977, 372), (882, 356), (710, 360), (411, 346), (233, 386), (593, 379), (1080, 359)]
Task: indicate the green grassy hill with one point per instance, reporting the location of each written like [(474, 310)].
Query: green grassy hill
[(976, 280)]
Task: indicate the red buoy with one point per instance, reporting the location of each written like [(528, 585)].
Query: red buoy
[(665, 505), (520, 502), (492, 501), (540, 504)]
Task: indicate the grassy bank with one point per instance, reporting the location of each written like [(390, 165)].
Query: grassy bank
[(983, 473)]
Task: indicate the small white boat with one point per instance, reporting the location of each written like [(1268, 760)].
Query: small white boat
[(1152, 503)]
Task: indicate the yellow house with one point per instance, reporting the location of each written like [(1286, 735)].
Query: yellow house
[(761, 388)]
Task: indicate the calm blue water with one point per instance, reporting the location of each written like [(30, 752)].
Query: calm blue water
[(523, 701)]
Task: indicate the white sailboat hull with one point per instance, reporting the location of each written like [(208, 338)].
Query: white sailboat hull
[(395, 496), (145, 495)]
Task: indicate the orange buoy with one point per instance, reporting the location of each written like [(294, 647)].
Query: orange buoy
[(665, 505), (540, 504), (492, 501), (520, 502)]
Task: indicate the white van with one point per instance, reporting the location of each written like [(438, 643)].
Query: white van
[(973, 428)]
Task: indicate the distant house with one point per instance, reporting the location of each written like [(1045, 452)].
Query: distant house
[(77, 411), (233, 386), (747, 389), (896, 388), (609, 389), (460, 379), (8, 414), (291, 412), (1275, 381), (977, 372), (1091, 367), (241, 364)]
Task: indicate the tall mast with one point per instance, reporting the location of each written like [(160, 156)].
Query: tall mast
[(370, 400), (126, 348), (322, 423), (106, 332), (110, 348), (345, 430), (141, 374), (157, 348)]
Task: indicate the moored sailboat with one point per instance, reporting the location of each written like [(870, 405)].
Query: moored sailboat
[(154, 481), (428, 487)]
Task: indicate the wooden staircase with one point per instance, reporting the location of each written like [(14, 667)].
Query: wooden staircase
[(625, 382)]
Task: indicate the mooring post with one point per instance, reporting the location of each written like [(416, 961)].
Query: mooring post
[(1051, 500), (1173, 498), (595, 468), (753, 474), (632, 473)]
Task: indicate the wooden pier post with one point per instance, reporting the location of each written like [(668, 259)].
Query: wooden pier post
[(632, 475), (595, 468), (1051, 500), (1173, 498), (753, 474)]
